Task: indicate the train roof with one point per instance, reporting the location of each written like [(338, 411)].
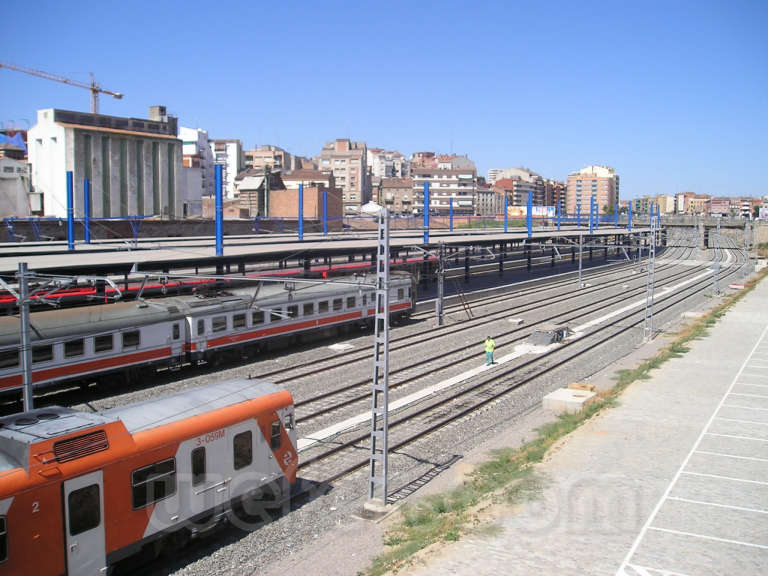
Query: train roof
[(68, 322), (18, 431), (168, 409)]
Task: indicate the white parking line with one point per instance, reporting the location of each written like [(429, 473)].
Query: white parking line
[(737, 437), (755, 458), (681, 469), (747, 384), (648, 571), (731, 478), (744, 407), (704, 537), (730, 507), (748, 395), (741, 421)]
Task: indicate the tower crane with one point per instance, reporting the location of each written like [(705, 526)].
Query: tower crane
[(93, 86)]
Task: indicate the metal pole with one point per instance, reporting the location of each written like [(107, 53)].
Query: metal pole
[(591, 213), (629, 217), (219, 213), (440, 284), (377, 479), (26, 349), (559, 212), (70, 213), (581, 240), (450, 214), (649, 284), (87, 209), (529, 215), (301, 212), (267, 173), (506, 214), (426, 212), (578, 215), (325, 212)]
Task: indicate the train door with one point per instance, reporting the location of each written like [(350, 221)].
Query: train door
[(177, 339), (84, 524), (210, 476)]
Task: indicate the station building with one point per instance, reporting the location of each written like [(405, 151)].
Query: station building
[(133, 165)]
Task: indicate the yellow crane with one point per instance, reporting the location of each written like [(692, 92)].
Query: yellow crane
[(93, 86)]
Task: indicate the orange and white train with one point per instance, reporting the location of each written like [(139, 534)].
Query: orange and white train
[(81, 491), (96, 342)]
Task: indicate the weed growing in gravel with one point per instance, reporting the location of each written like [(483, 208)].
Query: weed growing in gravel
[(509, 474)]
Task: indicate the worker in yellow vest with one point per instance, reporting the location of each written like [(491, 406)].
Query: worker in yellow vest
[(490, 345)]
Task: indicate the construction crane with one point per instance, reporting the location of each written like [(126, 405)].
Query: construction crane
[(93, 86)]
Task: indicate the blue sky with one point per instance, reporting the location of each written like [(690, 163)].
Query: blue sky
[(671, 94)]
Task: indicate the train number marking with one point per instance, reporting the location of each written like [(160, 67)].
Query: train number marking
[(35, 507), (210, 437)]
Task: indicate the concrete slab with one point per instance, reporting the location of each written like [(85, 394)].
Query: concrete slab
[(568, 400)]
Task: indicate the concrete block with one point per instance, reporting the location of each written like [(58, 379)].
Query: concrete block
[(515, 321), (691, 315), (568, 400)]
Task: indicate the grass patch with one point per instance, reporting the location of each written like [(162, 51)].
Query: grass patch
[(509, 475)]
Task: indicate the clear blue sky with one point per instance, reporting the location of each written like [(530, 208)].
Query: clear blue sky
[(672, 94)]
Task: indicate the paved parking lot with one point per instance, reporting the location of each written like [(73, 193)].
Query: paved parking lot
[(714, 511)]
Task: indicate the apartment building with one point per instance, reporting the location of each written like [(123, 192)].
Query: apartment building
[(449, 176), (554, 192), (386, 164), (228, 154), (276, 158), (598, 182), (720, 206), (133, 165), (396, 194), (489, 202), (347, 161), (666, 203)]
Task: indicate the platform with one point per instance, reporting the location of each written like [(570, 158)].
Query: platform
[(673, 480)]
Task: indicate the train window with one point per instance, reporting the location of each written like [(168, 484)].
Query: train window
[(350, 302), (9, 358), (42, 353), (309, 308), (3, 540), (288, 422), (176, 332), (400, 293), (276, 315), (84, 509), (322, 307), (242, 445), (74, 348), (293, 311), (238, 321), (201, 327), (275, 435), (103, 343), (257, 317), (198, 466), (409, 293), (218, 323), (365, 299), (337, 302), (131, 339), (153, 483)]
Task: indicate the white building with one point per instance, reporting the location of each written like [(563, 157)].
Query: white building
[(228, 153), (133, 165), (15, 197), (196, 146), (386, 164)]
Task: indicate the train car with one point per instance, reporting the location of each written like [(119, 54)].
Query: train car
[(98, 342), (82, 491)]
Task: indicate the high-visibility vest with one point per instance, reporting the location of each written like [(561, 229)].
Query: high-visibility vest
[(490, 345)]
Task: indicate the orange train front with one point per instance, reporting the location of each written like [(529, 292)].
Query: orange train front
[(80, 491)]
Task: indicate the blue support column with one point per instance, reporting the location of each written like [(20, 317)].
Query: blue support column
[(658, 216), (616, 215), (529, 215), (87, 209), (426, 212), (70, 213), (597, 215), (578, 215), (559, 212), (591, 214), (629, 217), (650, 216), (325, 212), (301, 212), (506, 214), (450, 214), (219, 213)]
